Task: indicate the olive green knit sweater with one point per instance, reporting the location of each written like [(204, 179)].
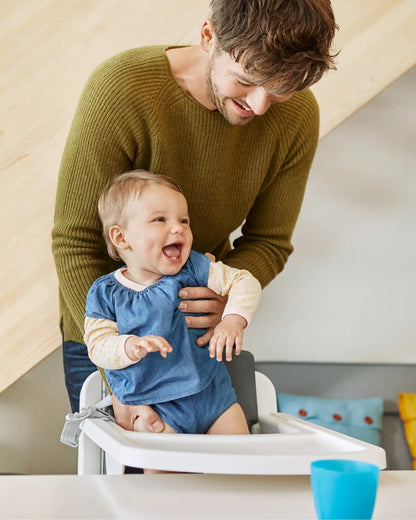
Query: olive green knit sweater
[(133, 114)]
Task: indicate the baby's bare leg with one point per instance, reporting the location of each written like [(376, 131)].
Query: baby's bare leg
[(230, 422), (139, 426)]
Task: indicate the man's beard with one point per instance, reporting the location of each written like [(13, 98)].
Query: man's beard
[(219, 101)]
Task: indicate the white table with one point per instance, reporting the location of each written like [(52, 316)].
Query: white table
[(184, 497)]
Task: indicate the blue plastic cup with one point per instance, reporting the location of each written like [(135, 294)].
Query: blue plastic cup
[(344, 489)]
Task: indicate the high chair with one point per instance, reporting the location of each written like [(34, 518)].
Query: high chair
[(278, 444)]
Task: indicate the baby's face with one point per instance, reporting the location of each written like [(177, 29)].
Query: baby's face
[(158, 232)]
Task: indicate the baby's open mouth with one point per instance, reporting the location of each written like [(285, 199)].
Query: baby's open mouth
[(173, 251)]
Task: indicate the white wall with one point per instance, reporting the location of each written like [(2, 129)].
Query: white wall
[(32, 415), (347, 293)]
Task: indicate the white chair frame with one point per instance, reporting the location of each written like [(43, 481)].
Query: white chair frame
[(289, 447)]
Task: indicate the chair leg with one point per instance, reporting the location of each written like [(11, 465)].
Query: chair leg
[(112, 467), (89, 457)]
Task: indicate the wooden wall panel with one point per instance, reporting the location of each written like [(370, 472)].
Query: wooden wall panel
[(47, 50)]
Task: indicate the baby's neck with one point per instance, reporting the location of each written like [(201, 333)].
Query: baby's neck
[(139, 278)]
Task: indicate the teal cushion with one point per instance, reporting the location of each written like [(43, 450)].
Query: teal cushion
[(359, 418)]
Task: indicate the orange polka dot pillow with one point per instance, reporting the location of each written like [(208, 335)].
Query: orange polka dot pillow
[(359, 418)]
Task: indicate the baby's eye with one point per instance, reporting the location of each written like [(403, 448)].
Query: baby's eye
[(159, 219), (185, 221)]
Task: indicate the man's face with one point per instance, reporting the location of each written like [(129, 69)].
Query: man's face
[(235, 94)]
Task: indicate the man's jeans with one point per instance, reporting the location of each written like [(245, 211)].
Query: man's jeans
[(77, 367)]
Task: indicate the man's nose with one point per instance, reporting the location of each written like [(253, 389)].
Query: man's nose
[(259, 100)]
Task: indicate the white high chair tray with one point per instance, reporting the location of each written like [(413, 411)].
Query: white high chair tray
[(285, 446)]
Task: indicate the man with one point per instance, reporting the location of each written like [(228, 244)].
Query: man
[(231, 120)]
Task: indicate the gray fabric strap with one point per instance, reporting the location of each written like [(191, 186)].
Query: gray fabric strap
[(107, 401), (72, 427)]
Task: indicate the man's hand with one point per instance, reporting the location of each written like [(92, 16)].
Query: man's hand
[(126, 416), (202, 300), (137, 347), (227, 334)]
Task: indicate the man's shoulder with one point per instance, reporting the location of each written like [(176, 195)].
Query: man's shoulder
[(298, 113), (300, 106), (305, 103), (128, 78), (140, 59)]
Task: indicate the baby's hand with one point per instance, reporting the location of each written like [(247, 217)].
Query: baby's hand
[(227, 333), (138, 347)]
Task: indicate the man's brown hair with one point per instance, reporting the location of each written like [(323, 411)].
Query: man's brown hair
[(284, 40)]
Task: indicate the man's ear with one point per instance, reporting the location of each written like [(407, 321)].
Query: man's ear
[(207, 35), (118, 238)]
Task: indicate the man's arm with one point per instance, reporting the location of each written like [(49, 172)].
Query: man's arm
[(95, 151), (265, 242)]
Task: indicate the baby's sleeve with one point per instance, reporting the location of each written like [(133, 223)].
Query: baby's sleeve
[(243, 290), (105, 344)]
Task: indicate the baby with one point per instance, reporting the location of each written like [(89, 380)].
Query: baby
[(133, 327)]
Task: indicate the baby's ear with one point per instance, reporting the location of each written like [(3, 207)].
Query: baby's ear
[(117, 237)]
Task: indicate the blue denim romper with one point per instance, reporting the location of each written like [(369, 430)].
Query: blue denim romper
[(188, 370)]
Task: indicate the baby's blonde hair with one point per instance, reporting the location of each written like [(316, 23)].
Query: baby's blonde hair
[(114, 199)]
